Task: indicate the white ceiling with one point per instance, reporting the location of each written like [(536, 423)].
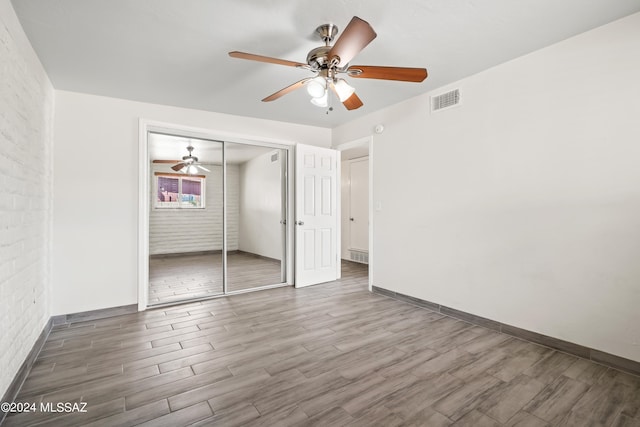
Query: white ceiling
[(174, 52)]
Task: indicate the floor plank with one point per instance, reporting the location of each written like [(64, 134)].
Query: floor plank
[(331, 354)]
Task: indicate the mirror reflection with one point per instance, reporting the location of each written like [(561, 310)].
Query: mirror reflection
[(195, 191), (256, 187)]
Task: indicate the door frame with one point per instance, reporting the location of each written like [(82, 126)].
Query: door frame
[(365, 142), (144, 127)]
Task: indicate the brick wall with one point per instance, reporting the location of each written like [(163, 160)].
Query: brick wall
[(26, 116)]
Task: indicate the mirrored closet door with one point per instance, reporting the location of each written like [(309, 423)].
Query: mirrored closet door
[(216, 218), (256, 213)]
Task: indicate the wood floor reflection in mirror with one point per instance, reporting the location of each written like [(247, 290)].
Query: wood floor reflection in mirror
[(191, 276)]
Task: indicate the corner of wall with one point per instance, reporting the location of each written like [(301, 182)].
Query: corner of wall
[(26, 132)]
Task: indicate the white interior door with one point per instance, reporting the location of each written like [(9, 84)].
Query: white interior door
[(317, 172), (359, 205)]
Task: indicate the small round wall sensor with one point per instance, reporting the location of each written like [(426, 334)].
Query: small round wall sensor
[(379, 128)]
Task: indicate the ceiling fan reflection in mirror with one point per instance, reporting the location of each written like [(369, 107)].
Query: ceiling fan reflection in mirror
[(328, 62), (189, 163)]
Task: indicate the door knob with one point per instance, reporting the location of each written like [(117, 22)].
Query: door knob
[(283, 222), (351, 219), (300, 223)]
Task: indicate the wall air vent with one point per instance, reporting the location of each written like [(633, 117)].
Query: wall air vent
[(359, 256), (445, 100)]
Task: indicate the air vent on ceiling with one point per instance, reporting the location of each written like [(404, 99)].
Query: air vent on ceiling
[(446, 100), (274, 157)]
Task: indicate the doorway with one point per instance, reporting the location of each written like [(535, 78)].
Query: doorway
[(357, 203), (217, 215), (356, 215)]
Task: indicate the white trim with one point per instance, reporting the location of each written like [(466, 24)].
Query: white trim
[(212, 134), (339, 217), (144, 127), (371, 252), (284, 186), (225, 231), (291, 215), (143, 215)]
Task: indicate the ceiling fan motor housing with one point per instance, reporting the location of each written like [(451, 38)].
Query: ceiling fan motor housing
[(327, 32), (189, 158), (318, 58)]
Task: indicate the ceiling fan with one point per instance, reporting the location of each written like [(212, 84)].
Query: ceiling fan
[(327, 62), (188, 165)]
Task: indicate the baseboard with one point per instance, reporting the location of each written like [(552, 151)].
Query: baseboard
[(266, 258), (178, 254), (607, 359), (102, 313), (55, 321), (25, 368)]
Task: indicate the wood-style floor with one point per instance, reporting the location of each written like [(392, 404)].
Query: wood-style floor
[(189, 276), (327, 355)]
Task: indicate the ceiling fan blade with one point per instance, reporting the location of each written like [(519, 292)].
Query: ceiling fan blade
[(165, 161), (286, 90), (203, 168), (267, 59), (178, 166), (351, 103), (403, 74), (355, 37)]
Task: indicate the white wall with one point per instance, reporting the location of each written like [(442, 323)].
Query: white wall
[(521, 205), (193, 230), (261, 206), (95, 223), (26, 118)]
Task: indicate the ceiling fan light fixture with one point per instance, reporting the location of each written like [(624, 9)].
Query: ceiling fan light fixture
[(330, 60), (343, 89), (192, 169), (321, 101), (317, 87)]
